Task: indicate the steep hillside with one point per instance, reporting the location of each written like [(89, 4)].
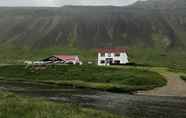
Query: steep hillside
[(161, 4), (153, 23)]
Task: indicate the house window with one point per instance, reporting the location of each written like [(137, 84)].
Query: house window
[(102, 54), (117, 62), (102, 61), (109, 54), (117, 54)]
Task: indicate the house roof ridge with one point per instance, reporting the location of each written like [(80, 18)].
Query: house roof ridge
[(111, 49)]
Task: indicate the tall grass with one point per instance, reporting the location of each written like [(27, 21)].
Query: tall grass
[(12, 106)]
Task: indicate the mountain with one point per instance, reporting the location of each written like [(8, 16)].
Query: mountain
[(152, 23), (161, 4)]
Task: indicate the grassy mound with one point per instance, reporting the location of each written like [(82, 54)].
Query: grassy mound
[(12, 106), (103, 78)]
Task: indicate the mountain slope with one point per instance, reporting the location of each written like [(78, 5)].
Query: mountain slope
[(153, 23), (161, 4)]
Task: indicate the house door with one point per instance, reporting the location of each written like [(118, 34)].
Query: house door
[(109, 61)]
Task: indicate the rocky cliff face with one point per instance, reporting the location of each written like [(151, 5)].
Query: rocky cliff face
[(153, 23)]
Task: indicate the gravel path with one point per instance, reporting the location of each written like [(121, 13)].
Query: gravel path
[(175, 85)]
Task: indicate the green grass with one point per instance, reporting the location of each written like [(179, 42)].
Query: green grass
[(102, 78), (19, 55), (183, 77), (158, 57), (177, 69), (12, 106)]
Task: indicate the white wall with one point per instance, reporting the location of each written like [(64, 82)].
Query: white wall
[(123, 58)]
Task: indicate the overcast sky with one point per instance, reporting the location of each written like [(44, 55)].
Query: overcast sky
[(64, 2)]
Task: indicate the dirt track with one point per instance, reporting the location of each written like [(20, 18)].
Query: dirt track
[(175, 85)]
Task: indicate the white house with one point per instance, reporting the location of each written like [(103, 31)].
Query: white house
[(108, 56)]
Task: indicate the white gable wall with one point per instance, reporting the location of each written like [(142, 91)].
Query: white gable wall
[(123, 58)]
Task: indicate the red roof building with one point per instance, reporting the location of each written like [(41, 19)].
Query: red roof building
[(67, 57), (61, 58)]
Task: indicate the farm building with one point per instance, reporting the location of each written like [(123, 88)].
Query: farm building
[(62, 59), (109, 56)]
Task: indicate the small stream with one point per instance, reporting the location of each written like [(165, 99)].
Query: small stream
[(133, 106)]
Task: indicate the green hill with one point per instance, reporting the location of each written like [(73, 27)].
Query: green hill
[(153, 23), (159, 25)]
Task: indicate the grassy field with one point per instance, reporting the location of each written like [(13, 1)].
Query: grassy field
[(102, 78), (158, 57), (12, 106), (177, 69), (149, 56), (19, 55)]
